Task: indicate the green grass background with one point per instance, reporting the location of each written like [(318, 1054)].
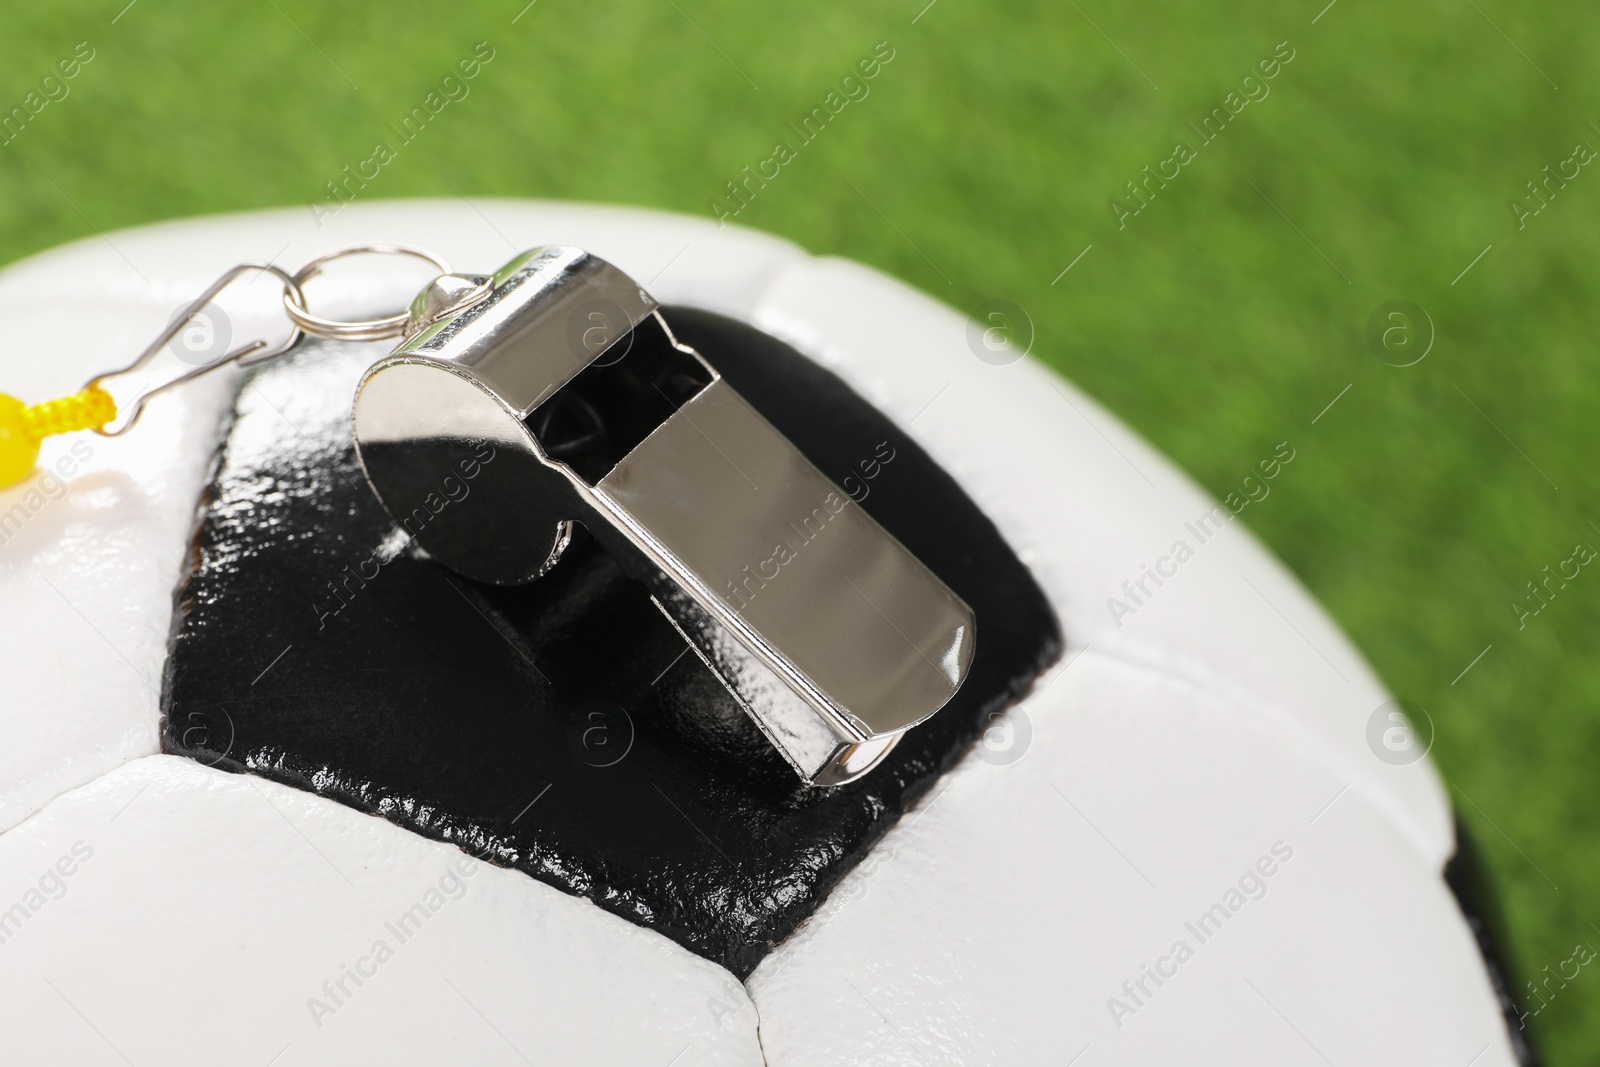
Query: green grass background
[(993, 141)]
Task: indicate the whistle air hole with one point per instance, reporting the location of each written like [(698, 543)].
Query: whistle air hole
[(571, 431), (610, 406)]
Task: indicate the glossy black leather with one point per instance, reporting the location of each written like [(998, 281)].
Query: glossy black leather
[(559, 727)]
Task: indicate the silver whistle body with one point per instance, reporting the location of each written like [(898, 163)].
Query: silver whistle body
[(557, 387)]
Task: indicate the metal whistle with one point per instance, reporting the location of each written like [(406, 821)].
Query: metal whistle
[(829, 633)]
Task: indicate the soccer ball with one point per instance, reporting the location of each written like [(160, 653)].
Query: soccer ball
[(1204, 835)]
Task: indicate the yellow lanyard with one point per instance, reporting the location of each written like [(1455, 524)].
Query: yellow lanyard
[(22, 427)]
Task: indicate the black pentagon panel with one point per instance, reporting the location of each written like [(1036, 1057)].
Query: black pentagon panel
[(561, 727)]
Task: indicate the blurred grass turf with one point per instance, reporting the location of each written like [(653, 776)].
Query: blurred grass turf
[(993, 141)]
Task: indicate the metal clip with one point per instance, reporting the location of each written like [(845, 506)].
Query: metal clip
[(244, 355), (832, 636), (301, 319)]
